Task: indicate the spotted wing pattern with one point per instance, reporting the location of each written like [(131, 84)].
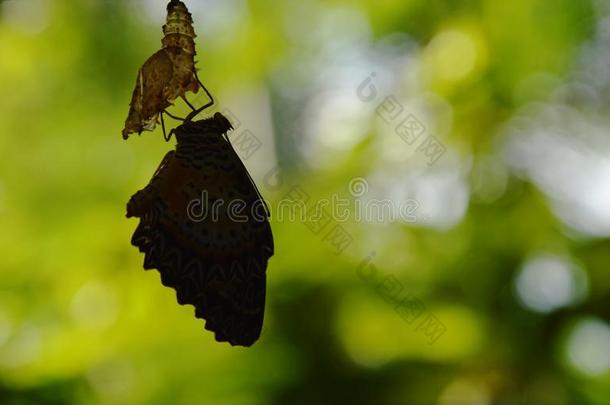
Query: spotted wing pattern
[(205, 228)]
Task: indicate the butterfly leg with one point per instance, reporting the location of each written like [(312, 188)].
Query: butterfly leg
[(173, 116), (167, 136), (196, 112), (187, 102), (163, 127)]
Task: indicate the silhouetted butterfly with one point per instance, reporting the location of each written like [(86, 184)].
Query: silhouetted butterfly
[(168, 74), (204, 226)]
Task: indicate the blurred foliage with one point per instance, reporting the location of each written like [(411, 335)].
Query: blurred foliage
[(80, 322)]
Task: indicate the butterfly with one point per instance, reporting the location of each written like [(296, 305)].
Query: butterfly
[(205, 227), (168, 74)]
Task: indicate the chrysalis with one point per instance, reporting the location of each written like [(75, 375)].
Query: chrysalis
[(204, 226), (166, 75)]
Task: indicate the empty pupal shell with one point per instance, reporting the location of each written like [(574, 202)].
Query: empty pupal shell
[(168, 74)]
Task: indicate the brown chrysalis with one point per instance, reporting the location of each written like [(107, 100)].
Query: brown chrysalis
[(204, 226), (168, 74)]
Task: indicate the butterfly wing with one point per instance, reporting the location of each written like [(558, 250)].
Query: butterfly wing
[(205, 228)]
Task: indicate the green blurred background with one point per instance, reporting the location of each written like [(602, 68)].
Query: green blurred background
[(507, 249)]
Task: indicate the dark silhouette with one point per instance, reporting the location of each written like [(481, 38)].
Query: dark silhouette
[(204, 226)]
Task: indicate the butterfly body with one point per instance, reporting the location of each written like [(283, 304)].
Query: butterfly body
[(214, 257)]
